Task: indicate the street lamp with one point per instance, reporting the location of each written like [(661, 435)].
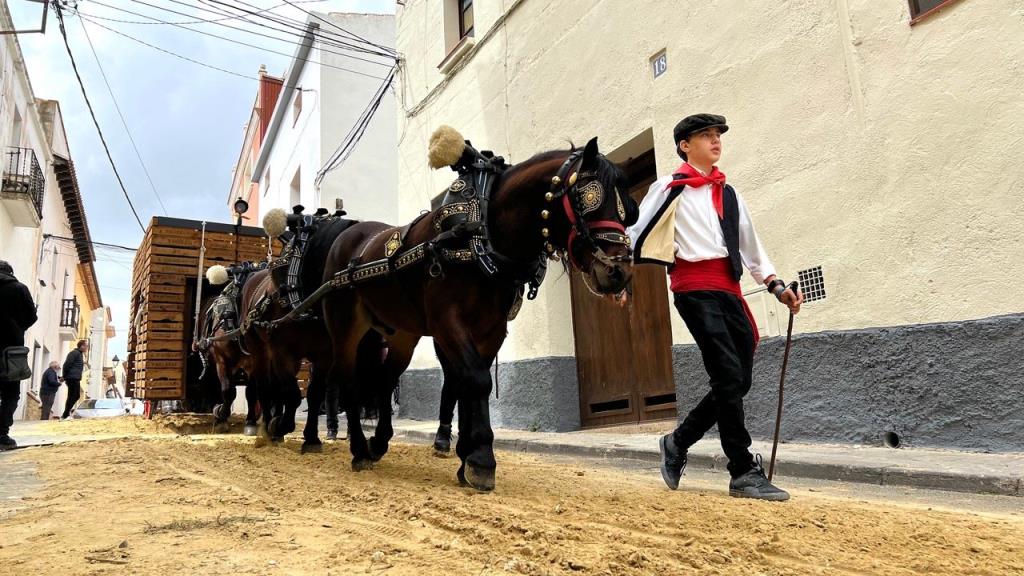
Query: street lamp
[(115, 361), (241, 207)]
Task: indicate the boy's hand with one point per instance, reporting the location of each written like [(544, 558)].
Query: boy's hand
[(792, 300)]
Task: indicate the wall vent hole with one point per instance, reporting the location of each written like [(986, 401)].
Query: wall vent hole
[(891, 439)]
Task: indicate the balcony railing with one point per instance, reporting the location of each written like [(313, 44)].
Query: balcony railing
[(23, 175), (70, 313)]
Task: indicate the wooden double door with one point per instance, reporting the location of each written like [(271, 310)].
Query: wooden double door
[(624, 353)]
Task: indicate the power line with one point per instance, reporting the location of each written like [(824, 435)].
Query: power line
[(300, 32), (226, 39), (74, 66), (324, 35), (200, 21), (176, 55), (157, 21), (300, 26), (352, 139), (179, 56), (121, 115), (100, 244), (352, 34)]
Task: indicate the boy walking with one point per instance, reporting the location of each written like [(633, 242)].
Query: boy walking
[(699, 226)]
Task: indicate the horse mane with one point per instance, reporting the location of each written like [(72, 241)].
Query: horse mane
[(609, 174)]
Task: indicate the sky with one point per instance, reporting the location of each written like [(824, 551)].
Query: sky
[(187, 120)]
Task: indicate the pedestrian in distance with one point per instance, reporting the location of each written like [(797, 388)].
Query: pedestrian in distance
[(74, 365), (48, 389)]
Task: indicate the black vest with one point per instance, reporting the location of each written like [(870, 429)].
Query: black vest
[(731, 229)]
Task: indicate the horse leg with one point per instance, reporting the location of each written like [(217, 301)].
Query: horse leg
[(389, 359), (449, 395), (222, 412), (470, 357), (292, 400), (314, 397), (252, 414), (331, 392)]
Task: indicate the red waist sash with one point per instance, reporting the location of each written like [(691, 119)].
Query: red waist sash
[(713, 275)]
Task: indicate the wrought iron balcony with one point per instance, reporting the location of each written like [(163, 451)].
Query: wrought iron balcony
[(23, 186), (70, 314)]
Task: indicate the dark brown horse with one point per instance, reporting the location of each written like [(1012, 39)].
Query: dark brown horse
[(560, 202), (276, 351), (229, 360)]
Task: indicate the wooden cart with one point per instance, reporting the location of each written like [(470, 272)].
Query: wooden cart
[(166, 274)]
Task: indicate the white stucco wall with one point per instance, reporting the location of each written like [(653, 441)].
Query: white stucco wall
[(332, 101), (296, 146), (367, 182), (888, 154)]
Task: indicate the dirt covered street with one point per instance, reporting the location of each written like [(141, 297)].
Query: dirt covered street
[(219, 504)]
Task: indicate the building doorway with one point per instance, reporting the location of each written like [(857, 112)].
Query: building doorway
[(624, 354)]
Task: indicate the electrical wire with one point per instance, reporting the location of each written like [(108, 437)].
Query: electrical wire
[(355, 134), (233, 41), (121, 116), (74, 66)]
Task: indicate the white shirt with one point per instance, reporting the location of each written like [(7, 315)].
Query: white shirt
[(698, 232)]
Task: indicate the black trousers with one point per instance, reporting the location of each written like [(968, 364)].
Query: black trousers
[(47, 401), (720, 327), (74, 391), (10, 393)]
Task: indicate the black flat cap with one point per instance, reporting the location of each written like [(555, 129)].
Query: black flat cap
[(692, 124)]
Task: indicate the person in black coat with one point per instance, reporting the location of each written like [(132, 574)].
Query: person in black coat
[(17, 315), (48, 389), (74, 365)]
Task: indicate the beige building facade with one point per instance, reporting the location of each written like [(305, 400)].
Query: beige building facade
[(886, 153)]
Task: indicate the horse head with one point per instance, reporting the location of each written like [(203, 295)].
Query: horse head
[(584, 217)]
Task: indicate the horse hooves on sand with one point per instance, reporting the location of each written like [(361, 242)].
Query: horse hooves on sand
[(480, 478), (312, 447), (440, 454), (251, 430), (360, 465)]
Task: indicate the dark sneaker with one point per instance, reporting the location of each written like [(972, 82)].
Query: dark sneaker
[(672, 461), (754, 484), (7, 443), (443, 439)]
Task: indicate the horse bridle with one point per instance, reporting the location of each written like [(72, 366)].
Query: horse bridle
[(565, 186)]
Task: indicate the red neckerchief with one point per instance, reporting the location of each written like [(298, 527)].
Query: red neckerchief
[(689, 176)]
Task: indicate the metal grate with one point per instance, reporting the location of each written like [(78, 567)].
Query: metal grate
[(812, 283)]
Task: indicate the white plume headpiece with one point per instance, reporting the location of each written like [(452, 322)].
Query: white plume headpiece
[(446, 147), (275, 222), (217, 275)]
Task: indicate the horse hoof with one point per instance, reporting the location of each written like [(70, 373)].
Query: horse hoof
[(480, 478), (360, 465), (440, 454), (376, 452), (277, 439), (250, 430), (309, 447), (461, 475), (332, 434), (443, 438), (216, 411), (221, 427)]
